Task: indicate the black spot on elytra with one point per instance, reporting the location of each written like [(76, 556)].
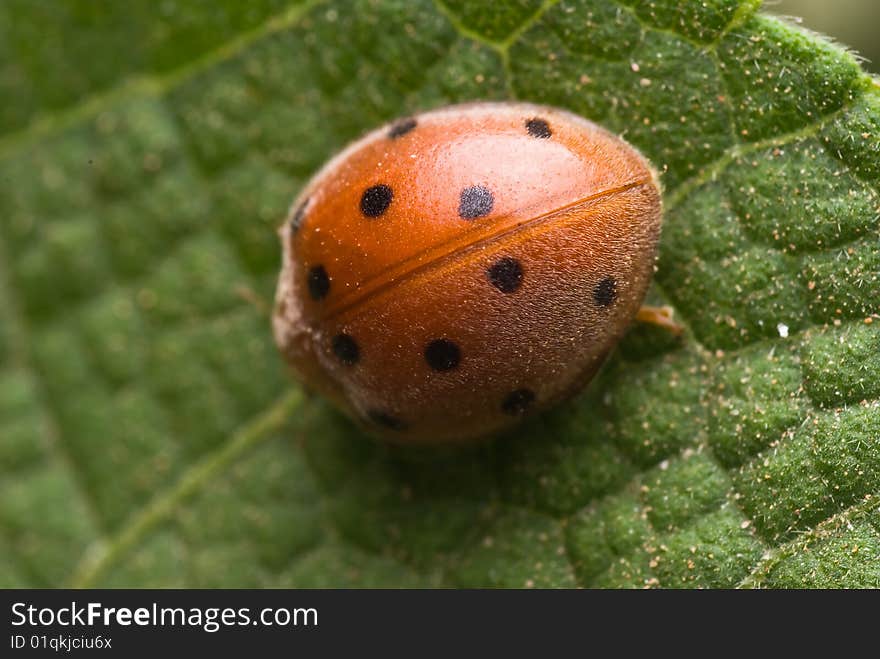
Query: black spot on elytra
[(386, 420), (476, 201), (346, 349), (442, 355), (517, 402), (298, 216), (401, 127), (538, 128), (605, 292), (318, 282), (376, 200), (506, 274)]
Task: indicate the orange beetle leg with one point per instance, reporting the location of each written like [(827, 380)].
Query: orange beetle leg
[(257, 301), (661, 317)]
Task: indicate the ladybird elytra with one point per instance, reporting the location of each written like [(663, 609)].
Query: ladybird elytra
[(454, 271)]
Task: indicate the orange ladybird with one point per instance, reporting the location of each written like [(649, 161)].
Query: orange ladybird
[(451, 272)]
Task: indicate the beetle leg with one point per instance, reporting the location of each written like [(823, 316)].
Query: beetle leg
[(661, 317), (257, 301)]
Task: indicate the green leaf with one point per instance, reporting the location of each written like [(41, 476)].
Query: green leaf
[(149, 435)]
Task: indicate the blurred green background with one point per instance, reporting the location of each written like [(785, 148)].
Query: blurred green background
[(854, 23)]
